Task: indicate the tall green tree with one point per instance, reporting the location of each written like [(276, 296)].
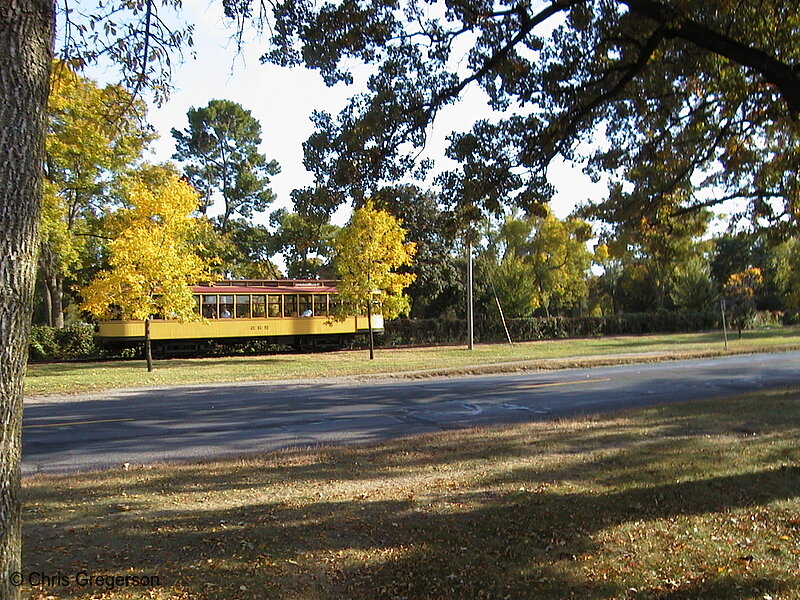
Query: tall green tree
[(437, 288), (93, 134), (221, 150), (785, 263), (737, 253), (250, 251), (542, 263), (369, 251), (733, 254), (511, 280), (691, 285), (647, 250), (305, 243)]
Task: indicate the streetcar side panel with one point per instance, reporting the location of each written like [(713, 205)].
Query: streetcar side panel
[(212, 329)]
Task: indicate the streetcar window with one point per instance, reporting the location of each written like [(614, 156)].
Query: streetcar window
[(274, 306), (334, 304), (226, 307), (210, 307), (198, 308), (305, 309), (259, 306), (320, 305), (242, 306), (289, 305)]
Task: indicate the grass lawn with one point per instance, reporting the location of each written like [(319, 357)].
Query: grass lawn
[(64, 378), (684, 502)]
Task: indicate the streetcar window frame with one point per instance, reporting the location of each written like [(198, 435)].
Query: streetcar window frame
[(226, 302), (275, 306), (319, 304), (258, 301), (305, 302), (213, 304), (260, 306), (333, 304), (290, 305), (239, 301)]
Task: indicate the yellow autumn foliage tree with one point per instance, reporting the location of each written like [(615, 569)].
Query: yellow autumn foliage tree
[(369, 250), (152, 261), (740, 295), (93, 134)]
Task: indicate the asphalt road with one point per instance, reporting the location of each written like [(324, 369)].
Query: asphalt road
[(72, 434)]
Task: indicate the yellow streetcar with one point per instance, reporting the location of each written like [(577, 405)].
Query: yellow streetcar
[(282, 311)]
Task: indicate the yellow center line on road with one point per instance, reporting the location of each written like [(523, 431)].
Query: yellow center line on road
[(78, 423), (538, 385)]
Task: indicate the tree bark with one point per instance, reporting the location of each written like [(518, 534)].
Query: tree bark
[(53, 298), (57, 302), (148, 347), (47, 299), (26, 39), (369, 326)]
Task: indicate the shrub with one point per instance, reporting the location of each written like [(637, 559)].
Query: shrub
[(73, 341), (42, 344), (768, 318), (791, 318)]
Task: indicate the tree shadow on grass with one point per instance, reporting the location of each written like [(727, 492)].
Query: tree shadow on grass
[(68, 369), (522, 544), (503, 513)]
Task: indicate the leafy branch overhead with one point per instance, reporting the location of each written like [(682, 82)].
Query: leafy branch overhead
[(140, 38), (673, 96)]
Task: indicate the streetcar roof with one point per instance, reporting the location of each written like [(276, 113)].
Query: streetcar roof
[(256, 289)]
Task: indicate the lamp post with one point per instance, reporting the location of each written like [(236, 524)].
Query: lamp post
[(470, 314)]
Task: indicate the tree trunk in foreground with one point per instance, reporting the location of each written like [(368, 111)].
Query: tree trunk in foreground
[(26, 37)]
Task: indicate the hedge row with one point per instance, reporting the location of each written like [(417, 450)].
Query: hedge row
[(74, 341), (78, 341), (407, 332)]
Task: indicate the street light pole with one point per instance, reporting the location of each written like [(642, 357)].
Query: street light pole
[(470, 315)]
